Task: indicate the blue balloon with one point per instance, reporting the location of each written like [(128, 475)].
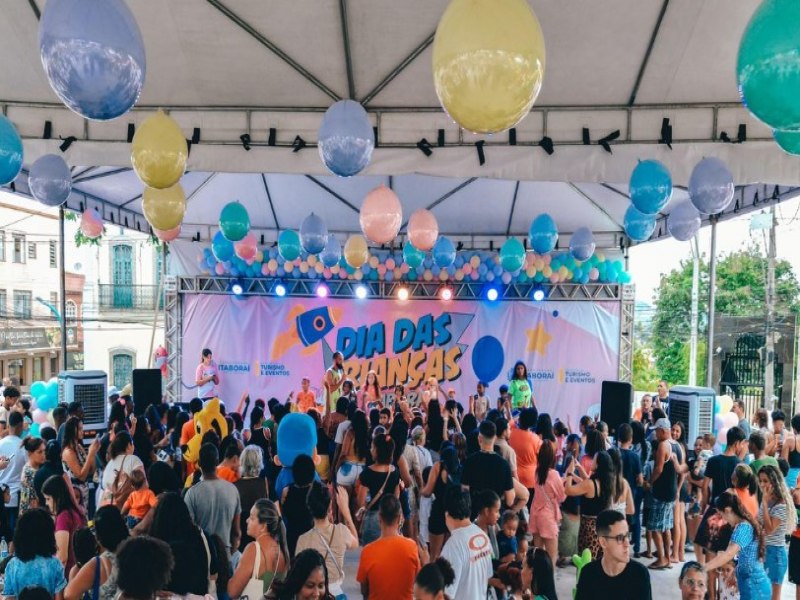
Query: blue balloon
[(346, 138), (487, 358), (435, 270), (543, 234), (50, 180), (93, 56), (34, 430), (331, 253), (389, 276), (650, 186), (280, 271), (38, 388), (313, 234), (10, 151), (289, 244), (444, 252), (638, 225), (451, 270), (412, 256), (296, 273), (482, 268), (683, 222), (428, 262), (221, 247), (577, 273), (366, 269), (711, 186), (581, 244), (235, 271), (459, 262)]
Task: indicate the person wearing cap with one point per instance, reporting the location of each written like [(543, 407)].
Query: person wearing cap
[(113, 394), (306, 398), (664, 488)]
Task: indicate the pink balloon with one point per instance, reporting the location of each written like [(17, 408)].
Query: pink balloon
[(554, 278), (219, 268), (404, 268), (423, 230), (594, 274), (168, 235), (506, 277), (381, 270), (39, 416), (247, 247), (467, 268), (381, 215), (265, 269), (389, 263), (474, 276), (91, 223), (326, 273)]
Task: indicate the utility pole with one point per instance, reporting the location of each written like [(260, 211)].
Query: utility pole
[(695, 298), (769, 329)]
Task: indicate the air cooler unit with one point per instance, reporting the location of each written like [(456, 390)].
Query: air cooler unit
[(694, 407), (88, 388)]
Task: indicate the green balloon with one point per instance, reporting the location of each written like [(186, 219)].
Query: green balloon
[(234, 222), (789, 141), (512, 255), (768, 66), (412, 256), (289, 244)]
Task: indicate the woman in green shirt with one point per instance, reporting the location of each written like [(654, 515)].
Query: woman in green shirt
[(520, 388)]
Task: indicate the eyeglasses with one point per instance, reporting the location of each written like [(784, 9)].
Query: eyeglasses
[(620, 539), (695, 583)]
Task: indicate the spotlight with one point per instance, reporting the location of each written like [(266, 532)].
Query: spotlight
[(492, 294), (538, 294), (237, 288), (446, 294), (280, 290), (322, 291), (402, 294), (361, 292)]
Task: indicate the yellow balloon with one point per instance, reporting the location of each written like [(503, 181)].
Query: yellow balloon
[(356, 252), (547, 271), (164, 209), (311, 260), (488, 62), (159, 151)]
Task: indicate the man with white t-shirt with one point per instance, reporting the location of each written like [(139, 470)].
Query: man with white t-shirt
[(468, 550), (207, 376)]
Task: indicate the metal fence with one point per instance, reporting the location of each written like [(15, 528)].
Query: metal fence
[(743, 373), (130, 297)]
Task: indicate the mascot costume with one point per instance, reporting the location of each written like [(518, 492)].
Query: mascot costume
[(297, 434), (208, 419)]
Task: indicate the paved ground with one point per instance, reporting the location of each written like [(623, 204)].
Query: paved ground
[(664, 583)]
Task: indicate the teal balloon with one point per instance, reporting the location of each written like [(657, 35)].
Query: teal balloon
[(35, 430), (638, 225), (234, 222), (10, 151), (289, 244), (650, 186), (38, 388), (444, 252), (788, 141), (412, 256), (543, 234), (512, 255), (221, 247), (768, 65)]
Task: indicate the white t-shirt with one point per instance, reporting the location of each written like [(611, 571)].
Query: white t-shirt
[(10, 447), (469, 551), (130, 464), (340, 431)]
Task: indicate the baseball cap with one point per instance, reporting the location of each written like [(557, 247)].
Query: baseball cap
[(113, 391), (127, 390), (663, 424)]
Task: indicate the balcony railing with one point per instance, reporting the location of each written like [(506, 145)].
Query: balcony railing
[(130, 297)]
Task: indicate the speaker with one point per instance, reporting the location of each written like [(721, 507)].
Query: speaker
[(146, 389), (616, 399)]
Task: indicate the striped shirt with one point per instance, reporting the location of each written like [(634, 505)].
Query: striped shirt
[(777, 513)]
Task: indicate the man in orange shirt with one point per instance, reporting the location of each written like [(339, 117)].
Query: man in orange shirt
[(306, 398), (389, 565), (229, 469), (526, 446)]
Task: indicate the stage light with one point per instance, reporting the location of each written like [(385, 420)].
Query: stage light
[(446, 294), (492, 294), (280, 290), (538, 294), (237, 288), (361, 292), (322, 291), (402, 294)]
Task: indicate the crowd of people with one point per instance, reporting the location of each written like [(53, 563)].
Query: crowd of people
[(445, 497)]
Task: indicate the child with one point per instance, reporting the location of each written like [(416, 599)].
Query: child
[(84, 545), (507, 537), (229, 469), (707, 452), (728, 590), (306, 398), (141, 500)]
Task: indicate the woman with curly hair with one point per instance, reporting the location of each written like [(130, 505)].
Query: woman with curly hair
[(34, 562)]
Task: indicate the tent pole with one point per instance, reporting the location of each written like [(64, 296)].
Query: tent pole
[(712, 293), (62, 298)]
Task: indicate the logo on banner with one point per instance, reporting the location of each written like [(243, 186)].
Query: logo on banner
[(579, 376), (234, 367), (542, 375)]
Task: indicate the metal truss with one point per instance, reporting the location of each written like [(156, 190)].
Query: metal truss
[(628, 303), (173, 318)]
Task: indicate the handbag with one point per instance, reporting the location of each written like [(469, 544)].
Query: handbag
[(365, 509), (120, 489), (254, 589), (329, 551)]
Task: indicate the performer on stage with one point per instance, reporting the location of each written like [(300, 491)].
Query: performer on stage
[(306, 398), (207, 376), (520, 388), (370, 396), (334, 378), (479, 403)]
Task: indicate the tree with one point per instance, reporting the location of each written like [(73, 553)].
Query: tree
[(644, 375)]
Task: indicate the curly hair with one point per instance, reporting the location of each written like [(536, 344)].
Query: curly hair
[(144, 567), (35, 535)]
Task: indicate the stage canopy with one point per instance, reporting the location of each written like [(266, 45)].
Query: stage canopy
[(234, 67)]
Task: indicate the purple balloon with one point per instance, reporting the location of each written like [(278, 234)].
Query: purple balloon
[(684, 221)]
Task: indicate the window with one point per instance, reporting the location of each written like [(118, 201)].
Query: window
[(53, 366), (19, 247), (121, 370), (38, 368), (32, 250), (2, 246), (3, 303), (22, 304), (53, 254), (122, 275), (72, 311)]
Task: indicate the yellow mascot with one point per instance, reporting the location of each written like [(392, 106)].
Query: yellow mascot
[(208, 419)]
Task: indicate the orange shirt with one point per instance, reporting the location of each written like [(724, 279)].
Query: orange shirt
[(526, 444), (187, 431), (389, 566), (306, 400), (748, 501), (227, 474), (139, 502)]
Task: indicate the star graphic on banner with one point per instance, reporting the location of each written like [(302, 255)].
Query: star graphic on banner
[(538, 339)]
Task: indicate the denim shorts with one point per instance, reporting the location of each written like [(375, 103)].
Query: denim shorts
[(776, 563)]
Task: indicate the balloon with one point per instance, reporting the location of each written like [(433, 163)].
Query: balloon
[(234, 222), (638, 225), (39, 416), (38, 388), (581, 244), (289, 244), (381, 215), (221, 247), (159, 151), (93, 56), (724, 404), (331, 253), (650, 186), (730, 419), (50, 180), (767, 65), (10, 151), (512, 255), (488, 63), (444, 252), (168, 235), (412, 257), (246, 247), (789, 141), (487, 358), (91, 223), (711, 186), (346, 138), (164, 209), (543, 234), (423, 230), (356, 251), (313, 234), (683, 222), (35, 429)]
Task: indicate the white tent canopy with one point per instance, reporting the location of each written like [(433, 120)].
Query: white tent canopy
[(226, 68)]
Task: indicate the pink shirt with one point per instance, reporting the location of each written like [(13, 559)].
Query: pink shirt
[(548, 497), (208, 389)]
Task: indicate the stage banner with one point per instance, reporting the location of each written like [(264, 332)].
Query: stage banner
[(265, 346)]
